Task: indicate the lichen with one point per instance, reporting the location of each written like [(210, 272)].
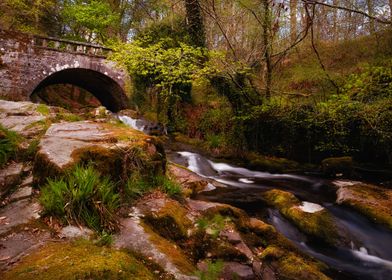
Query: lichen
[(78, 260)]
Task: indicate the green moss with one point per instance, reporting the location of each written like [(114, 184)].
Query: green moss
[(271, 164), (79, 260), (289, 265), (43, 109), (170, 221), (319, 225)]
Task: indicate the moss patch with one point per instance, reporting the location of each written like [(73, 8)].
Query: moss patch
[(319, 225), (290, 266), (170, 220), (172, 251), (79, 260)]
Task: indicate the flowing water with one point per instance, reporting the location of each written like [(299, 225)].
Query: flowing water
[(368, 255)]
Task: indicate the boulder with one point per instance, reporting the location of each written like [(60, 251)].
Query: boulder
[(115, 151), (373, 201), (337, 167), (310, 218)]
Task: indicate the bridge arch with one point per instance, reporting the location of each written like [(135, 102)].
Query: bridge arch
[(29, 63), (104, 88)]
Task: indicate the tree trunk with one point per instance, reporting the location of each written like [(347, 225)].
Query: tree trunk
[(267, 48), (390, 9), (195, 24), (370, 5), (293, 20), (335, 34)]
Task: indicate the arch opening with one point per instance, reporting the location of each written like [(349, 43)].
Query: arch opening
[(105, 89)]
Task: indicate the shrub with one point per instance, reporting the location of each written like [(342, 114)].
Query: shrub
[(82, 196)]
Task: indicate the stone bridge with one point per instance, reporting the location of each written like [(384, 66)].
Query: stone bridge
[(29, 63)]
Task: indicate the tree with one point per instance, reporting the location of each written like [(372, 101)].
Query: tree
[(195, 23), (293, 20)]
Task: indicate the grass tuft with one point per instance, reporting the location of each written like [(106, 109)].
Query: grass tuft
[(83, 196)]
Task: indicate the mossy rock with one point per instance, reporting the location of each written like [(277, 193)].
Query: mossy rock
[(339, 165), (166, 216), (115, 151), (171, 251), (319, 225), (372, 201), (271, 164), (290, 266), (78, 260)]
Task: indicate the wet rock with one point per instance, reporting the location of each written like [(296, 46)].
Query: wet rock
[(73, 232), (288, 265), (18, 213), (115, 151), (319, 224), (10, 177), (373, 201), (191, 182)]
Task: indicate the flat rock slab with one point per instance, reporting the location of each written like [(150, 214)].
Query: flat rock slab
[(10, 176), (18, 108), (21, 117), (18, 213), (66, 144), (16, 245)]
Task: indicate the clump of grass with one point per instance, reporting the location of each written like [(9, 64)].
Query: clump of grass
[(9, 141), (213, 226), (43, 109), (105, 239), (84, 197), (69, 117), (212, 272), (137, 186)]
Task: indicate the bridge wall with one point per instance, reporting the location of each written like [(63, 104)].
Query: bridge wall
[(27, 60)]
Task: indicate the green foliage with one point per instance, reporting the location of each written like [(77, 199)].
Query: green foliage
[(169, 187), (89, 19), (137, 185), (170, 69), (213, 226), (373, 84), (212, 272), (9, 141), (82, 196)]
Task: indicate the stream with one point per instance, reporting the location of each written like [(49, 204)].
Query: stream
[(368, 255)]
